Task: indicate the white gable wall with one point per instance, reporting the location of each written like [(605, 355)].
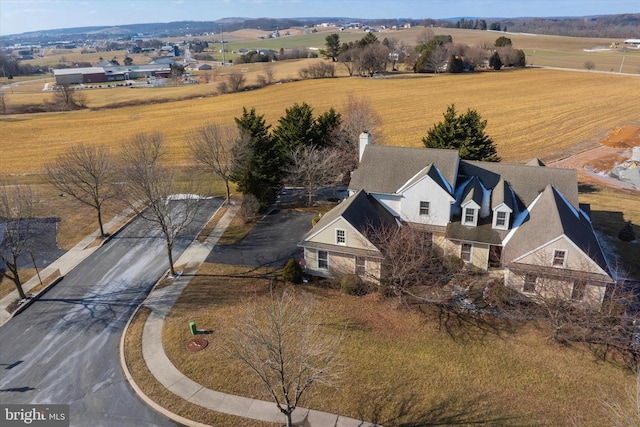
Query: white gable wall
[(426, 190)]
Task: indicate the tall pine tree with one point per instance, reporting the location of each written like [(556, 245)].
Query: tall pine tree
[(465, 133), (257, 160)]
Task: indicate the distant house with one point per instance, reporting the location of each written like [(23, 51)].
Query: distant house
[(632, 43), (523, 221), (200, 67)]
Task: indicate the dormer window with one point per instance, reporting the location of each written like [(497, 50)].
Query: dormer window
[(501, 220), (501, 217), (470, 216)]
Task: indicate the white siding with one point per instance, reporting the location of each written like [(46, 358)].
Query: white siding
[(428, 191)]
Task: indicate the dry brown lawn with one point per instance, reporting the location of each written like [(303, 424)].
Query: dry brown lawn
[(399, 367), (156, 391)]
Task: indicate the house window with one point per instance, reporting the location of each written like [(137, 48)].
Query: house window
[(469, 216), (529, 283), (501, 219), (559, 258), (360, 265), (341, 237), (323, 260), (577, 293), (465, 251), (424, 208)]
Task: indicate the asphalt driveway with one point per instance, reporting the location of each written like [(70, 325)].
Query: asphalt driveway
[(271, 242)]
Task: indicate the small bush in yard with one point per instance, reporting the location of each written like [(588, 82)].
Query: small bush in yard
[(315, 220), (627, 234), (352, 284), (292, 272)]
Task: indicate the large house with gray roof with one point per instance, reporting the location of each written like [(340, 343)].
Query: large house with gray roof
[(523, 221)]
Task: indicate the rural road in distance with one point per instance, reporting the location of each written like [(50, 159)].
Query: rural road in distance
[(64, 348)]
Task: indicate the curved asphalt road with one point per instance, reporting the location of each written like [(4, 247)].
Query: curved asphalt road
[(64, 348)]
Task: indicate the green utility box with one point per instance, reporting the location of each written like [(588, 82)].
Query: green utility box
[(192, 328)]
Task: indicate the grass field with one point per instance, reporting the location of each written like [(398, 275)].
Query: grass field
[(400, 368)]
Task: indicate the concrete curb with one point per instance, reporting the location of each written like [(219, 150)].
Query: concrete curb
[(36, 297), (146, 399)]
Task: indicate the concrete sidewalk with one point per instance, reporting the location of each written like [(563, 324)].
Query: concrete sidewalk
[(64, 264), (160, 302)]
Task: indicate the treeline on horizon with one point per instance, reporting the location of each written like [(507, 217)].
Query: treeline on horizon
[(612, 26)]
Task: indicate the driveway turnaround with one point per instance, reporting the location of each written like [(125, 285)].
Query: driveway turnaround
[(64, 347), (269, 244)]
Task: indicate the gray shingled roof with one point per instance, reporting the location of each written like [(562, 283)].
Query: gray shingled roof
[(361, 210), (473, 191), (386, 169), (526, 181), (535, 162), (502, 193), (551, 217)]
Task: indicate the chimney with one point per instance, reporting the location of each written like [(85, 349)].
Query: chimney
[(365, 139)]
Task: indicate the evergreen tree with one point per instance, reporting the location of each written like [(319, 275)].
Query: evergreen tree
[(502, 41), (298, 128), (257, 160), (465, 133), (494, 61), (332, 47)]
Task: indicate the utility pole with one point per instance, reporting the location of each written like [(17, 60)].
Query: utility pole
[(222, 36)]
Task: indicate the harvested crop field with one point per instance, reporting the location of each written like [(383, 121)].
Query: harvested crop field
[(530, 113)]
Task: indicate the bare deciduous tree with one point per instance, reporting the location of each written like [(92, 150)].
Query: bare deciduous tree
[(313, 168), (424, 36), (211, 146), (411, 266), (279, 341), (267, 78), (372, 59), (359, 116), (348, 58), (438, 58), (475, 57), (17, 211), (153, 191), (87, 173), (3, 102), (66, 98), (235, 81)]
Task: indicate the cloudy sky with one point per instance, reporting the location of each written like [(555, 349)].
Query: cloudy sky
[(18, 16)]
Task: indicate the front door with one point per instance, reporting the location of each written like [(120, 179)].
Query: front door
[(495, 256)]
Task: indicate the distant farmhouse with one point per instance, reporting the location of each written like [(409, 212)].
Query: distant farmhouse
[(521, 221), (632, 43)]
